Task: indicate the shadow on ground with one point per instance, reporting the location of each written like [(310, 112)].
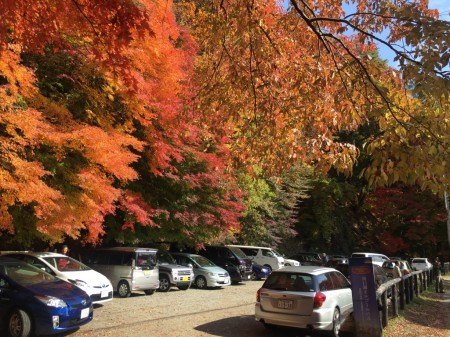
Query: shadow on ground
[(247, 326)]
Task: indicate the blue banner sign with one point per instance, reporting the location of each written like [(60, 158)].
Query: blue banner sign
[(365, 306)]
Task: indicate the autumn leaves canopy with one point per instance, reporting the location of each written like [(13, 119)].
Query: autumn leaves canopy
[(99, 99)]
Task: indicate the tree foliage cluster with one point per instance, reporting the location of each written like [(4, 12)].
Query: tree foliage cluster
[(175, 121)]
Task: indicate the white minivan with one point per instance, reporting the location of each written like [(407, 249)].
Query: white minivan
[(264, 256)]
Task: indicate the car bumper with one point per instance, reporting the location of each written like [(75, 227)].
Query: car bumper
[(319, 320), (69, 319), (217, 281)]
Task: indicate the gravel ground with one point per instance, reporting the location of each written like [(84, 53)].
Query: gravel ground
[(229, 312), (226, 312)]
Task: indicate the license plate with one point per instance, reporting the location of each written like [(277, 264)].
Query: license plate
[(249, 277), (84, 313), (147, 272), (284, 304), (104, 293), (184, 278)]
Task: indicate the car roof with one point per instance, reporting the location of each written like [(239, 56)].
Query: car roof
[(315, 270), (184, 254), (245, 246), (37, 254), (128, 249)]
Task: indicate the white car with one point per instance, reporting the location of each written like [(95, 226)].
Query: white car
[(306, 297), (420, 263), (96, 285), (291, 263)]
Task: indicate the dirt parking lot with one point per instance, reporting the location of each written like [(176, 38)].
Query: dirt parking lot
[(225, 312)]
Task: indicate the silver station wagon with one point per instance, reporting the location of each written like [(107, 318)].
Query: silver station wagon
[(307, 297)]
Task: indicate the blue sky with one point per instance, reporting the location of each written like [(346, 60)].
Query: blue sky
[(444, 8)]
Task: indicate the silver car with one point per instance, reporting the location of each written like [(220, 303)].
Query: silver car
[(308, 297), (207, 274)]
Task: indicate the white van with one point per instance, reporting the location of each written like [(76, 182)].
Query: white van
[(263, 256), (376, 258), (128, 268)]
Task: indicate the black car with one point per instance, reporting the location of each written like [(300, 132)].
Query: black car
[(232, 259)]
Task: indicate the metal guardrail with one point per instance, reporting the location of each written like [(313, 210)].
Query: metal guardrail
[(403, 291)]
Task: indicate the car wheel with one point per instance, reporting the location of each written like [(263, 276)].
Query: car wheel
[(123, 289), (268, 267), (184, 287), (149, 291), (254, 276), (19, 324), (336, 323), (200, 282), (164, 283)]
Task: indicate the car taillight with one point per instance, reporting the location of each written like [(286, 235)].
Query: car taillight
[(319, 298), (258, 295)]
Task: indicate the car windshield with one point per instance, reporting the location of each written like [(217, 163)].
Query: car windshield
[(419, 261), (202, 261), (65, 263), (290, 282), (238, 252), (388, 264), (165, 258), (26, 274)]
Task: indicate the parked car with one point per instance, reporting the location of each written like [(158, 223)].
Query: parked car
[(259, 272), (388, 267), (96, 285), (232, 259), (308, 297), (338, 258), (420, 263), (376, 257), (405, 268), (264, 256), (128, 268), (381, 277), (34, 302), (306, 260), (173, 274), (206, 273)]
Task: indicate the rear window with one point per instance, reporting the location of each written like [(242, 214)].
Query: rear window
[(419, 261), (290, 281)]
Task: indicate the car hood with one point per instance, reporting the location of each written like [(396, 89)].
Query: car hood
[(91, 277), (56, 288), (212, 269), (173, 266)]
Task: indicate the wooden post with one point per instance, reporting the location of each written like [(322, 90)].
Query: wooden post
[(402, 295), (416, 286), (384, 313), (394, 298), (406, 289)]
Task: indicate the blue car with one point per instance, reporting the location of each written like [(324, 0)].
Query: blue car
[(259, 272), (33, 302)]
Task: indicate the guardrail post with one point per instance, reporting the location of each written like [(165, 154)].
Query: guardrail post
[(416, 286), (384, 313), (394, 297), (411, 287), (406, 288), (402, 294), (422, 282)]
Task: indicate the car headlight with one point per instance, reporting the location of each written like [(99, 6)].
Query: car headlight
[(79, 283), (52, 301)]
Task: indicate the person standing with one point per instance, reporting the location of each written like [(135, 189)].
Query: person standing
[(439, 283), (396, 273), (65, 250)]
